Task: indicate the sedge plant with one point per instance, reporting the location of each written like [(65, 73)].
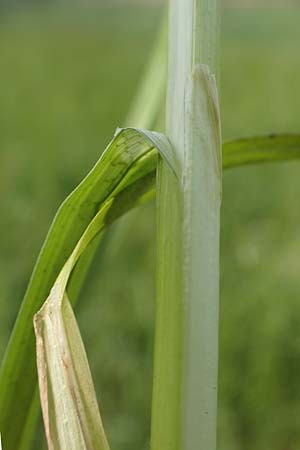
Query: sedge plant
[(183, 167)]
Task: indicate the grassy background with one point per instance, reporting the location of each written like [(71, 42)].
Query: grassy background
[(66, 81)]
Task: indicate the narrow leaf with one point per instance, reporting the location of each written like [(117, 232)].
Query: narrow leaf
[(274, 147), (71, 416), (130, 156)]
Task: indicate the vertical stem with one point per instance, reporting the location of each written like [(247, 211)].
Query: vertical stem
[(184, 405)]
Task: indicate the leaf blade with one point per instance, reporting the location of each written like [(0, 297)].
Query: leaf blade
[(103, 182), (259, 149)]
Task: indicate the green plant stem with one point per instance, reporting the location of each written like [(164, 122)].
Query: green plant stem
[(186, 334)]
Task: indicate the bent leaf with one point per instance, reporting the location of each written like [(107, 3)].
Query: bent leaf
[(71, 417), (126, 174)]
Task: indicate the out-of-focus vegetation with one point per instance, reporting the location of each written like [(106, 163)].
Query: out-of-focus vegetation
[(66, 80)]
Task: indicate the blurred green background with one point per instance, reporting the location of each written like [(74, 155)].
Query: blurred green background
[(68, 73)]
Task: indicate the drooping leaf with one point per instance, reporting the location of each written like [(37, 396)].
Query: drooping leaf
[(68, 400), (123, 176)]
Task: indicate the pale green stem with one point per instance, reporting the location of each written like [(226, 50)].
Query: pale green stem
[(186, 336)]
